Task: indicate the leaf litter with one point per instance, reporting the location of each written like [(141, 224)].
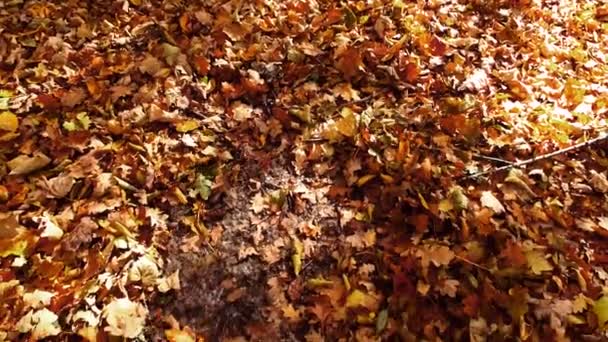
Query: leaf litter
[(302, 170)]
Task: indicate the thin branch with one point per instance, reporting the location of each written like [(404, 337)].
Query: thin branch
[(475, 155), (541, 157)]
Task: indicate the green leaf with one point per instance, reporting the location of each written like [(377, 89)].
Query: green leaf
[(349, 17), (298, 254), (70, 126), (381, 321), (4, 102), (600, 308), (84, 120), (203, 186), (459, 199)]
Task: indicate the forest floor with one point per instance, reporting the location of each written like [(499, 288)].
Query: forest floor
[(303, 170)]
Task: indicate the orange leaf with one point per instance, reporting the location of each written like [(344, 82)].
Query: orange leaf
[(184, 23), (201, 65), (350, 63)]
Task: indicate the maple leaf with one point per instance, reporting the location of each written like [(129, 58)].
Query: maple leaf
[(124, 317), (179, 335), (437, 254), (241, 111), (361, 239), (537, 261), (448, 287)]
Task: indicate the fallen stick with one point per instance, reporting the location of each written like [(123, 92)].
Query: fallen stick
[(541, 157)]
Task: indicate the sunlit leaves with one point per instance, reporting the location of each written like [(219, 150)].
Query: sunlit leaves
[(574, 91), (124, 317)]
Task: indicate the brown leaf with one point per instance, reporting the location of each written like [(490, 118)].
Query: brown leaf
[(73, 97)]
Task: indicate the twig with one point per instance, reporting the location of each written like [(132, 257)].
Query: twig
[(541, 157), (472, 263), (475, 155)]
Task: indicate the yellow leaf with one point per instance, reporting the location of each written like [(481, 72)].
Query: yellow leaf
[(176, 335), (358, 298), (186, 126), (9, 136), (423, 201), (9, 121), (537, 262), (347, 125), (297, 256), (445, 205), (318, 282), (600, 308), (365, 179)]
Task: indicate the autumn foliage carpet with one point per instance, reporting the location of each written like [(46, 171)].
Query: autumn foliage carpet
[(303, 170)]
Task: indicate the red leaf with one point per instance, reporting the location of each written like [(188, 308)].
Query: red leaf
[(471, 305), (49, 101)]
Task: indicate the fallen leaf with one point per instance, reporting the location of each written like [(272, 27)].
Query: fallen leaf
[(600, 308), (49, 228), (438, 255), (125, 318), (298, 254), (358, 298), (9, 122), (598, 181), (24, 164), (41, 324), (37, 299), (488, 200), (145, 270), (538, 262), (73, 97)]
